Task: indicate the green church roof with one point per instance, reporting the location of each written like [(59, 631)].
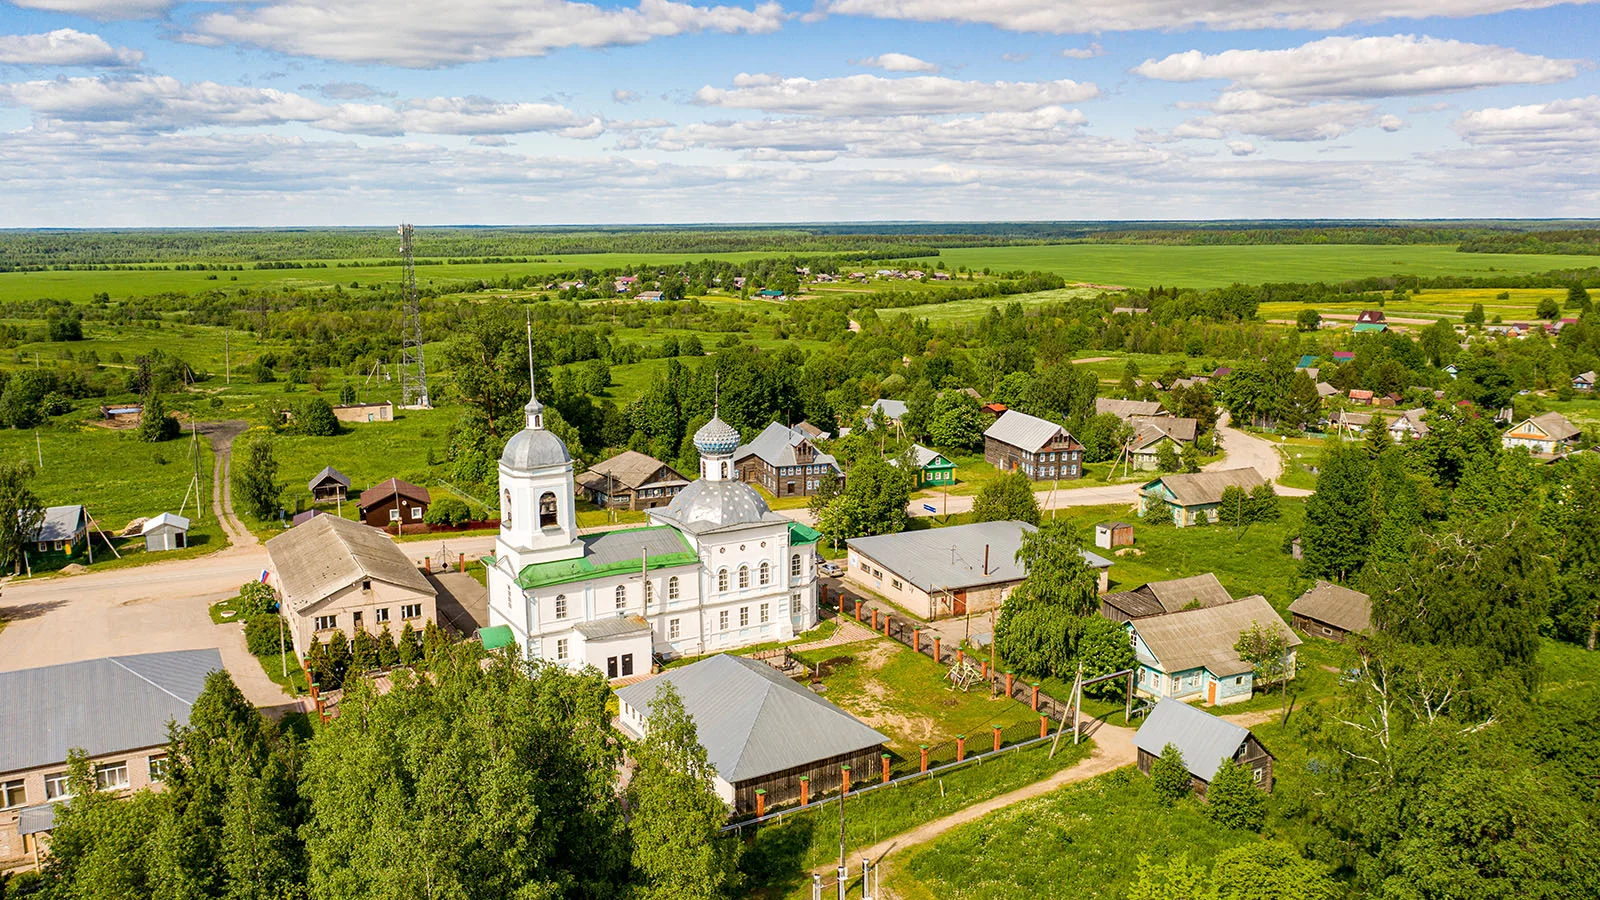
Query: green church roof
[(802, 534), (612, 552)]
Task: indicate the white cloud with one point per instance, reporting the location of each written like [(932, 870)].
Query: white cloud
[(1391, 123), (1094, 16), (160, 103), (1089, 52), (1346, 67), (897, 62), (1566, 126), (387, 31), (623, 96), (1274, 118), (871, 95), (1241, 148), (100, 9), (1015, 57), (65, 47), (346, 90)]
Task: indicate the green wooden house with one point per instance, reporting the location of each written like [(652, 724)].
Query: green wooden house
[(933, 470)]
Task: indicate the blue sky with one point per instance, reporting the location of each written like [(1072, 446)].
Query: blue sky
[(334, 112)]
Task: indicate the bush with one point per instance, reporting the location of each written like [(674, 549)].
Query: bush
[(255, 599), (1233, 798), (314, 417), (447, 511), (261, 634), (1169, 775)]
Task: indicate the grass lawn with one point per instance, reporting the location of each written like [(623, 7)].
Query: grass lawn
[(822, 632), (944, 314), (905, 696), (1302, 458), (1452, 304), (777, 859), (1082, 841), (795, 502)]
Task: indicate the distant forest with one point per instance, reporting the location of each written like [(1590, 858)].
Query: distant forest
[(24, 250)]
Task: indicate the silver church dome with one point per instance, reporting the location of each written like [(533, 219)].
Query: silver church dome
[(705, 505), (716, 438), (534, 448)]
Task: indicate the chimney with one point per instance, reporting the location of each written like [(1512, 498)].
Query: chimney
[(986, 560)]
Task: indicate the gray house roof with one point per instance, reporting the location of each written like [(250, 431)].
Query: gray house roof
[(952, 558), (1203, 739), (1160, 597), (752, 720), (167, 521), (1202, 488), (61, 523), (1196, 638), (893, 410), (327, 553), (1335, 605), (99, 705), (1151, 430), (328, 473), (613, 627), (1023, 431), (1127, 409), (775, 447)]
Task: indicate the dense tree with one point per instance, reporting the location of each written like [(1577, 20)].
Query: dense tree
[(873, 501), (1040, 622), (1308, 320), (1007, 496), (1169, 775), (21, 513), (1233, 799), (155, 423), (1103, 648), (255, 477), (313, 416), (956, 422), (1334, 534)]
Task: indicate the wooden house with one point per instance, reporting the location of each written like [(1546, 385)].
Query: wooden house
[(631, 480), (329, 486), (933, 469), (394, 502), (64, 531), (1583, 381), (1194, 498), (1205, 742), (1189, 654), (1161, 597), (1331, 611), (1038, 448), (1151, 434), (1548, 435), (785, 461)]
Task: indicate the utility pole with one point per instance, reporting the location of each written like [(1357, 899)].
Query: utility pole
[(39, 447), (227, 359)]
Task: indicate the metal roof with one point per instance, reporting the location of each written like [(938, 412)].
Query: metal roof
[(327, 553), (165, 520), (328, 473), (612, 627), (775, 447), (1203, 739), (893, 410), (36, 819), (1204, 638), (1201, 488), (754, 721), (628, 550), (1335, 605), (1127, 409), (1024, 431), (705, 506), (952, 558), (1159, 597), (60, 523), (383, 490), (100, 705), (629, 469), (923, 457)]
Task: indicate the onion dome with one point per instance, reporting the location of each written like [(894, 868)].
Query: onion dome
[(716, 438)]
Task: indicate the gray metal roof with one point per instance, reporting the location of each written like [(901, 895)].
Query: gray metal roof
[(328, 472), (1203, 739), (534, 448), (1201, 488), (1127, 409), (1196, 638), (921, 455), (627, 544), (753, 721), (706, 506), (893, 410), (61, 523), (775, 447), (99, 705), (1024, 431), (166, 520), (35, 819), (926, 559), (614, 627), (327, 553), (1159, 597)]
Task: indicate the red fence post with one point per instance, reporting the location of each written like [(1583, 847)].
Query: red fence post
[(874, 620), (761, 802), (961, 747), (1008, 684), (858, 609), (924, 757), (427, 565), (805, 789), (936, 648), (885, 624), (985, 669), (961, 656), (996, 738), (1044, 726), (844, 787), (886, 768), (461, 565), (1036, 697), (916, 640)]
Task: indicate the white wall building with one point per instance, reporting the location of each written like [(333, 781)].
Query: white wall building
[(714, 570)]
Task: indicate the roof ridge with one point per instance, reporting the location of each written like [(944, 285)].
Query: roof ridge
[(116, 661)]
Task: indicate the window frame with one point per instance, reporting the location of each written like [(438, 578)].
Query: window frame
[(18, 786), (620, 596), (744, 617), (722, 620), (58, 783), (562, 650), (794, 566), (674, 588), (380, 615), (561, 606), (744, 576), (160, 764), (332, 622), (410, 611), (674, 629), (766, 613), (764, 573), (103, 769)]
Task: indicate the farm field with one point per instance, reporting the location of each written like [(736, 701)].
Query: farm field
[(1139, 266), (1451, 303), (944, 314)]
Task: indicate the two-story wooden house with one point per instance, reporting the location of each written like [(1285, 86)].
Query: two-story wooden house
[(631, 480), (785, 461), (1036, 447)]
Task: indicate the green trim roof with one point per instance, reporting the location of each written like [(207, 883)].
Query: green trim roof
[(802, 534), (1370, 328), (612, 552), (495, 636)]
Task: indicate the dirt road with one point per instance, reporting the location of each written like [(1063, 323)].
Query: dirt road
[(1240, 450), (222, 435)]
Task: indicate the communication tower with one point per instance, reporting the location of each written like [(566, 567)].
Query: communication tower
[(413, 372)]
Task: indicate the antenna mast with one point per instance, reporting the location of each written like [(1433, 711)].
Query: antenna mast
[(413, 372)]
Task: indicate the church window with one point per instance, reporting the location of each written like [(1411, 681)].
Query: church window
[(649, 591), (505, 509), (622, 598), (766, 609), (766, 572), (744, 577), (674, 629), (547, 510), (561, 606), (561, 648), (794, 566), (672, 588), (722, 620), (744, 616), (722, 580)]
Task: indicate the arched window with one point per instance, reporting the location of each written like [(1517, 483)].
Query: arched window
[(794, 566), (672, 588), (744, 577), (766, 572), (724, 470), (561, 606), (649, 591), (547, 510), (505, 509), (622, 597), (722, 580)]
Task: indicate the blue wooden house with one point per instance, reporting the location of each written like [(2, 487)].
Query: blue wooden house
[(1189, 655)]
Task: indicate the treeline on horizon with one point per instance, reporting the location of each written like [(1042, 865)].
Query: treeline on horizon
[(32, 250)]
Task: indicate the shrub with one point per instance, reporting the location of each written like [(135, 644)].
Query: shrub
[(1169, 775), (1233, 798), (314, 417), (261, 634), (255, 599), (447, 511)]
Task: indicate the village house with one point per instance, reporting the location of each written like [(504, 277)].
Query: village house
[(1151, 434), (1128, 410), (1194, 498), (784, 461), (1583, 381), (1161, 597), (1409, 425), (63, 531), (115, 710), (951, 571), (329, 486), (1547, 435), (1347, 422), (1371, 317), (1038, 448), (993, 410), (335, 574), (394, 502), (365, 412), (715, 570), (123, 413), (649, 296), (811, 431), (631, 480), (764, 732), (1344, 356), (1189, 654), (933, 469), (167, 531), (1331, 611), (894, 411), (1361, 397), (1205, 742)]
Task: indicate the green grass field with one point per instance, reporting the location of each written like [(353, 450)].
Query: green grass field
[(1430, 305), (945, 314), (1138, 265)]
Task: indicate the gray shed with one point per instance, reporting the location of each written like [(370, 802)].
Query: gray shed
[(167, 531)]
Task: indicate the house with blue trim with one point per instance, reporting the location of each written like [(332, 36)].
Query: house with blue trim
[(1189, 655)]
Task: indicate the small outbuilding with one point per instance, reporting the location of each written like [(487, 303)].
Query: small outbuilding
[(394, 502), (1205, 742), (1331, 611), (1111, 535), (329, 486), (762, 730), (365, 412), (167, 531)]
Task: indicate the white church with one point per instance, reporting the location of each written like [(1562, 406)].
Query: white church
[(715, 569)]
